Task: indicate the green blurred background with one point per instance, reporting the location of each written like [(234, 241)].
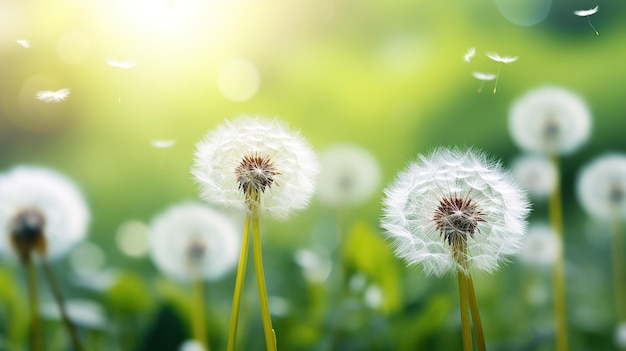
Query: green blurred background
[(387, 75)]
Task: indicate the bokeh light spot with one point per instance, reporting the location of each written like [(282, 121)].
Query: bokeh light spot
[(132, 238), (524, 12), (239, 80), (87, 258), (74, 47)]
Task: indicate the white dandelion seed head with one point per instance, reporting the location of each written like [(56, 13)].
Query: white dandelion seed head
[(583, 13), (23, 43), (53, 96), (163, 144), (601, 187), (535, 173), (260, 153), (550, 120), (55, 197), (620, 335), (191, 345), (502, 59), (484, 76), (451, 194), (192, 239), (469, 55), (540, 247), (349, 176), (123, 64)]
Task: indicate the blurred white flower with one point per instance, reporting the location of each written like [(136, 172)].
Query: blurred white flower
[(279, 306), (84, 313), (191, 345), (620, 335), (53, 96), (601, 187), (583, 13), (251, 163), (536, 174), (373, 296), (454, 198), (550, 120), (123, 64), (53, 198), (469, 54), (540, 247), (316, 267), (349, 176), (192, 238), (163, 144), (484, 76), (23, 43), (502, 59)]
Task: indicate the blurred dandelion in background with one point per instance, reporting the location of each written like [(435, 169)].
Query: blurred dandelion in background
[(587, 13), (257, 166), (349, 176), (53, 96), (455, 211), (620, 335), (601, 190), (85, 313), (502, 60), (540, 247), (536, 174)]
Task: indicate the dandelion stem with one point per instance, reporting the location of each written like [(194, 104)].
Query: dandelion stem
[(270, 336), (34, 305), (558, 276), (495, 86), (241, 272), (619, 262), (592, 27), (58, 297), (476, 322), (465, 321), (198, 321)]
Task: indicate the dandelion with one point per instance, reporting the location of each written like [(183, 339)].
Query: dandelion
[(121, 65), (502, 59), (23, 43), (587, 13), (191, 345), (457, 211), (192, 242), (536, 174), (601, 190), (349, 176), (550, 120), (257, 166), (42, 215), (469, 55), (540, 247), (53, 96), (163, 144), (483, 77)]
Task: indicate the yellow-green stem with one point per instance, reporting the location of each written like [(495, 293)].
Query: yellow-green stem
[(465, 321), (58, 297), (241, 272), (478, 326), (34, 305), (619, 266), (270, 336), (558, 276), (197, 314)]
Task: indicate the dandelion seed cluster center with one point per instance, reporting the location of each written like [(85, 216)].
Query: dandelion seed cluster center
[(457, 217), (255, 172), (27, 224)]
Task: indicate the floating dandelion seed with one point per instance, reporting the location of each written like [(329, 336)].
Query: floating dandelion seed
[(550, 120), (502, 60), (483, 77), (23, 43), (53, 96), (163, 144), (122, 65), (469, 54), (536, 174), (587, 13), (601, 187)]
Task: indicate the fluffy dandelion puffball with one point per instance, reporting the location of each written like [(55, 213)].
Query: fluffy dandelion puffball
[(349, 176), (550, 120), (256, 164), (540, 247), (191, 240), (453, 196), (601, 187), (536, 174), (28, 193)]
